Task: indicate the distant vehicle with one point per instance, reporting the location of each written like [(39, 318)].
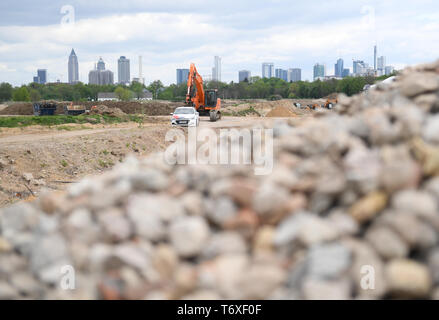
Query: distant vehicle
[(185, 116), (385, 82), (44, 108), (74, 110), (330, 103)]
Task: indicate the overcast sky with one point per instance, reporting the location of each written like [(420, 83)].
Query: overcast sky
[(170, 34)]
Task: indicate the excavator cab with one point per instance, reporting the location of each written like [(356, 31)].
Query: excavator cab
[(211, 98)]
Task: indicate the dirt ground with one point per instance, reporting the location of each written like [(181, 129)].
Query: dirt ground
[(58, 158), (37, 157)]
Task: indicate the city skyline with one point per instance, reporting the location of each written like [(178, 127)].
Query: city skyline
[(246, 36), (360, 68)]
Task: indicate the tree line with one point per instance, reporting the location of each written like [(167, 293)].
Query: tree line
[(256, 88)]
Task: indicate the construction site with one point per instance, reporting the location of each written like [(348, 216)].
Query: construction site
[(354, 183)]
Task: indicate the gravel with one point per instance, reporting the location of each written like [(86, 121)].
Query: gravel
[(349, 212)]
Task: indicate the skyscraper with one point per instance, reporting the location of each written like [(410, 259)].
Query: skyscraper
[(267, 70), (42, 75), (182, 76), (294, 75), (338, 68), (319, 71), (388, 70), (99, 75), (216, 70), (281, 74), (73, 68), (375, 58), (381, 65), (101, 64), (359, 67), (345, 73), (123, 70), (244, 75)]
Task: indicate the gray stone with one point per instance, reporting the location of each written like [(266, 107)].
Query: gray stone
[(225, 275), (315, 289), (431, 130), (221, 210), (132, 255), (387, 243), (18, 218), (305, 227), (146, 223), (48, 253), (26, 284), (433, 264), (328, 261), (224, 243), (28, 177), (7, 292), (416, 83), (270, 200), (261, 280), (419, 203), (189, 235), (193, 203), (149, 180), (115, 225)]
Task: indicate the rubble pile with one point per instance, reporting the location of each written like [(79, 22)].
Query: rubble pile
[(350, 211), (107, 111)]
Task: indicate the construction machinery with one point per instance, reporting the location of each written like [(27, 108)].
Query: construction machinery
[(74, 110), (44, 108), (206, 102), (330, 103)]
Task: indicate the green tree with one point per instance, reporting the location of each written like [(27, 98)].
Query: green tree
[(5, 91), (155, 87), (137, 88), (21, 94), (123, 94), (34, 95)]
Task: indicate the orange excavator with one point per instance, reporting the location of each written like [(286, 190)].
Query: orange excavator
[(206, 102)]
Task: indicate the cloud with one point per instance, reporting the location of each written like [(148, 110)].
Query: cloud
[(171, 34)]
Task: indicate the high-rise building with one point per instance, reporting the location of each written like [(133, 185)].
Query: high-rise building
[(123, 70), (267, 70), (281, 74), (182, 75), (99, 75), (42, 74), (375, 58), (101, 64), (294, 75), (359, 68), (319, 71), (244, 75), (388, 70), (345, 73), (338, 68), (216, 70), (73, 68), (381, 63), (37, 79)]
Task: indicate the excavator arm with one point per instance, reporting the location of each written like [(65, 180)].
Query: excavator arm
[(195, 95)]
